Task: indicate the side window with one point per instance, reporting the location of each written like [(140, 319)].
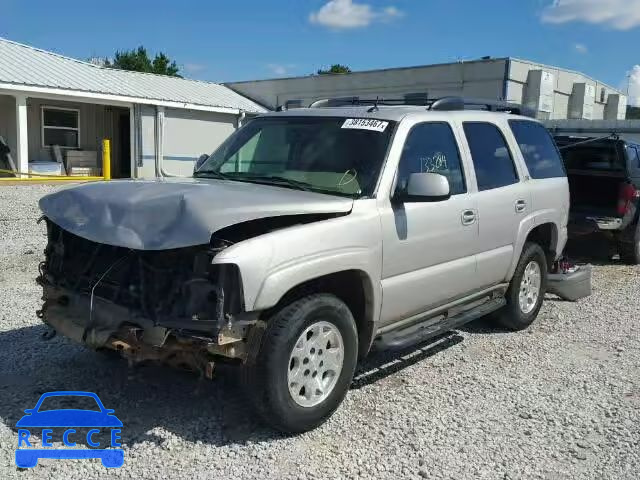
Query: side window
[(537, 147), (491, 156), (432, 148)]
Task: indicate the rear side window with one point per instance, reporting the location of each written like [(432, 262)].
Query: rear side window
[(538, 149), (432, 148), (492, 159)]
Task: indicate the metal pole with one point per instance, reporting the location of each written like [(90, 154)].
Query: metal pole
[(106, 159)]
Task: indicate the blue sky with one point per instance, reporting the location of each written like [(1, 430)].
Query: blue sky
[(222, 40)]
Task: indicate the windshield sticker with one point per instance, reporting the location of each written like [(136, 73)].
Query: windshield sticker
[(365, 124)]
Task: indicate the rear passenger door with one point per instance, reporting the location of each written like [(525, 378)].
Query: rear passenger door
[(502, 199), (547, 180)]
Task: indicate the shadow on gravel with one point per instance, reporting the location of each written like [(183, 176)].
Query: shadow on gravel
[(379, 365), (484, 326), (143, 397), (148, 396), (595, 249)]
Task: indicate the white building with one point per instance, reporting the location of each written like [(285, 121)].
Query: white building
[(156, 124), (555, 92)]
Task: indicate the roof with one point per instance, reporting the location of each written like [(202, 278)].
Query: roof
[(25, 65), (375, 70), (427, 66)]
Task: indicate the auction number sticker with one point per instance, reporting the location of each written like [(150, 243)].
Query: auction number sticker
[(365, 124)]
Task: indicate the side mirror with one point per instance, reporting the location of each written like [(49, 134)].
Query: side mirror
[(425, 187), (201, 159)]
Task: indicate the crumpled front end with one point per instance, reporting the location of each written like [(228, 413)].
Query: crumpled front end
[(167, 305)]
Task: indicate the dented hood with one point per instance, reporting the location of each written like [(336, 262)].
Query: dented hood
[(174, 213)]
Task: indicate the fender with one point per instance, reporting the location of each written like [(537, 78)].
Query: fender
[(274, 263), (542, 217), (280, 280)]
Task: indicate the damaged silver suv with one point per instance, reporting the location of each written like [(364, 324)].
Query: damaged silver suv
[(309, 237)]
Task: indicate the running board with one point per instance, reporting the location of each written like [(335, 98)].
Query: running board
[(432, 327)]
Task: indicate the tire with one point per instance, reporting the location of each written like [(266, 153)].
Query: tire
[(513, 315), (630, 251), (278, 382)]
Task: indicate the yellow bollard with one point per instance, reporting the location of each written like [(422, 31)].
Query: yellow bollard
[(106, 159)]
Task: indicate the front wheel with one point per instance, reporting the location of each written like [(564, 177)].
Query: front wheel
[(526, 290), (305, 365)]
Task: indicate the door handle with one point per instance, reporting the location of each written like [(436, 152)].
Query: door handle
[(468, 217), (521, 206)]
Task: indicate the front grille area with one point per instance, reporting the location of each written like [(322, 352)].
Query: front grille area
[(177, 288)]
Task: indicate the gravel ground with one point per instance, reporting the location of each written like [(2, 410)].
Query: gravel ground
[(560, 400)]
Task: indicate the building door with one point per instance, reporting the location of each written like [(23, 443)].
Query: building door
[(124, 150)]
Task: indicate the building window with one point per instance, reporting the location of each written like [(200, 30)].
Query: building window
[(60, 126)]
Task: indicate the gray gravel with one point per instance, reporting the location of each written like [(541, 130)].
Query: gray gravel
[(561, 400)]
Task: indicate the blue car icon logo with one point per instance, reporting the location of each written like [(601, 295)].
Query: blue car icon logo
[(68, 418)]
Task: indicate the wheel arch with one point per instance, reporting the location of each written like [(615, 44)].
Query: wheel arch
[(354, 287), (544, 234)]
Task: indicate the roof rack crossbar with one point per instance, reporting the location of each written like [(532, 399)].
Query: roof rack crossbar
[(357, 101), (462, 103)]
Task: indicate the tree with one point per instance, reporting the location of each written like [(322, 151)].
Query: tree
[(139, 61), (335, 69)]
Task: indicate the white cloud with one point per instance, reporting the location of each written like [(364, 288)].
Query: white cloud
[(347, 14), (280, 69), (633, 83), (581, 48), (617, 14)]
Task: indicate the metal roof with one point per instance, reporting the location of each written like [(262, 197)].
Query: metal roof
[(25, 65)]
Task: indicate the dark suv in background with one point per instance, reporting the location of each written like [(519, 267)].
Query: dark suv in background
[(604, 180)]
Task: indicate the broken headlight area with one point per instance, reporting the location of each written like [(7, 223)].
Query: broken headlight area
[(147, 304)]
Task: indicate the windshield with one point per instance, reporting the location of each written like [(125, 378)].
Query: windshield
[(69, 402), (329, 155)]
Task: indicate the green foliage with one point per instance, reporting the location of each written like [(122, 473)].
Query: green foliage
[(139, 61), (335, 69)]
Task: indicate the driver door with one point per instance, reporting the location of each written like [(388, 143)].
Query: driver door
[(428, 247)]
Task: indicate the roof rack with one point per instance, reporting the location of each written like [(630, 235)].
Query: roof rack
[(417, 99), (439, 104), (462, 103)]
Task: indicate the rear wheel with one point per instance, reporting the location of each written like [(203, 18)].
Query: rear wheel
[(526, 290), (305, 364)]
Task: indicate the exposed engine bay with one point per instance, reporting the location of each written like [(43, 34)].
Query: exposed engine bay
[(167, 305)]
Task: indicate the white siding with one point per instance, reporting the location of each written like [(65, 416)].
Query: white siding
[(188, 134), (147, 148)]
